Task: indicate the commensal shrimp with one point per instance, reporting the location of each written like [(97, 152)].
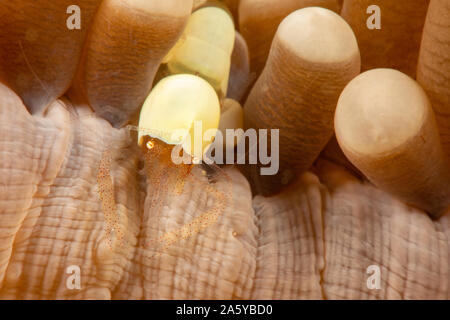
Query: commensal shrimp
[(168, 120), (170, 179)]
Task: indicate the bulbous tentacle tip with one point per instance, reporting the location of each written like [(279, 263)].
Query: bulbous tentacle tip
[(259, 20), (205, 48), (386, 127), (126, 44), (181, 110), (331, 40), (313, 56)]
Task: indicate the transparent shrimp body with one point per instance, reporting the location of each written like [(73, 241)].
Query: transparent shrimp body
[(171, 106), (166, 182)]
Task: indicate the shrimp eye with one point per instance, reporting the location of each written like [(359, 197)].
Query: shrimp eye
[(150, 145)]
